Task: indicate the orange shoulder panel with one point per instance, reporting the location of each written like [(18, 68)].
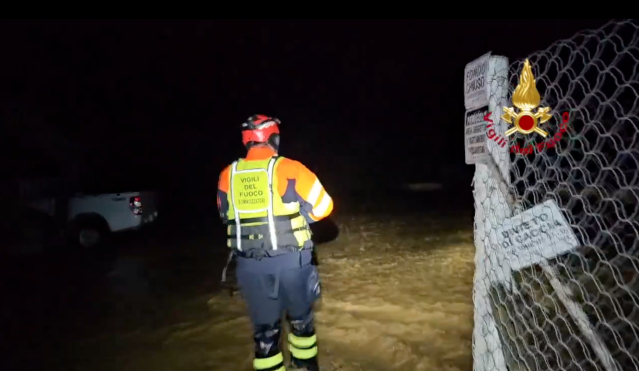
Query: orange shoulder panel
[(225, 177), (307, 185), (286, 169)]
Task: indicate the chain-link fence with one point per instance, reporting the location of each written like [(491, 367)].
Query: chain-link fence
[(579, 309)]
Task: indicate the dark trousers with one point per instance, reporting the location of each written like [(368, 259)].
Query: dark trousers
[(271, 285)]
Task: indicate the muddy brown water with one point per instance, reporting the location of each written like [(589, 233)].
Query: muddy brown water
[(141, 283), (48, 302)]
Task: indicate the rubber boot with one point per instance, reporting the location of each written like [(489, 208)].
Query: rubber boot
[(302, 342), (268, 353)]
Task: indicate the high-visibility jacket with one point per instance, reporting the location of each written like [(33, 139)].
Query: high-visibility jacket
[(268, 202)]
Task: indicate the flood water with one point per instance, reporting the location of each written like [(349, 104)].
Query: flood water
[(153, 301), (50, 302)]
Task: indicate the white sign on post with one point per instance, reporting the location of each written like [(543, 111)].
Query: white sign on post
[(476, 83), (475, 135), (535, 235)]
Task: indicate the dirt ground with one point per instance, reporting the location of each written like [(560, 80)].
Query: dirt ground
[(396, 296)]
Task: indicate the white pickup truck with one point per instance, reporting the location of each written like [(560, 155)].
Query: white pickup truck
[(85, 220)]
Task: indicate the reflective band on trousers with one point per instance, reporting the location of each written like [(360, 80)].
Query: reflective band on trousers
[(275, 363), (302, 347), (303, 353)]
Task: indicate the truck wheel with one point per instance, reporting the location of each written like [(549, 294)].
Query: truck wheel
[(89, 237), (89, 234)]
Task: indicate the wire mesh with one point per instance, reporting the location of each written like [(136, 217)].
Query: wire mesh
[(591, 171)]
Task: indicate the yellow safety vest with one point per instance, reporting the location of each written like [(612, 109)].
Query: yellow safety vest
[(257, 216)]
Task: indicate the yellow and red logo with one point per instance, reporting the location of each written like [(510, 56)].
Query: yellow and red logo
[(525, 118), (526, 97)]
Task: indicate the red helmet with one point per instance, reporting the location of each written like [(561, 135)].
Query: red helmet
[(261, 129)]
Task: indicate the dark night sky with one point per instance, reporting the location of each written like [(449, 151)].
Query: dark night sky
[(164, 99)]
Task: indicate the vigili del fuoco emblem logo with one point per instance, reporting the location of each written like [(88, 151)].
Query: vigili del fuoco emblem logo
[(528, 116), (526, 98)]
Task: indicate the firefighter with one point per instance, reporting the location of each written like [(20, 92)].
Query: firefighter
[(268, 202)]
